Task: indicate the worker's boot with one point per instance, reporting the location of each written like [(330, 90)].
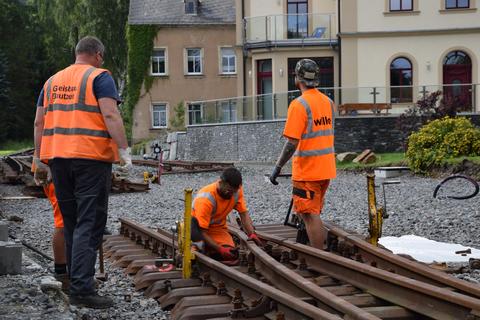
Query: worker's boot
[(94, 301), (65, 280)]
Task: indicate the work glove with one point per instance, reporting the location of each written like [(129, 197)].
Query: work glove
[(125, 159), (227, 253), (275, 174), (253, 236), (42, 174)]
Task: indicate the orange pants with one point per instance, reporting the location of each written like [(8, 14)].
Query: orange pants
[(311, 206), (57, 214), (221, 236)]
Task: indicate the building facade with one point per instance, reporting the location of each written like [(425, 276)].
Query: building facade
[(194, 58), (428, 45)]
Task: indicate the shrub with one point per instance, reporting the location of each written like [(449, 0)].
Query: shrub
[(442, 139)]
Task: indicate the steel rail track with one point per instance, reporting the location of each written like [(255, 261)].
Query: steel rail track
[(353, 247), (230, 281), (424, 298), (325, 279)]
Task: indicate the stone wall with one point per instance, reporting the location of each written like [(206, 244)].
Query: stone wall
[(263, 141)]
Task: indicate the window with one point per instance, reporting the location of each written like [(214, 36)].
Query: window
[(297, 19), (159, 116), (191, 6), (401, 5), (229, 111), (401, 80), (194, 61), (457, 4), (229, 60), (158, 66), (195, 111)]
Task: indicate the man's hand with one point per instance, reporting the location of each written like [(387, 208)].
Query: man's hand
[(226, 253), (42, 175), (125, 159), (256, 239), (275, 174)]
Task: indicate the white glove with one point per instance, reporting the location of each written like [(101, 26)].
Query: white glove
[(42, 174), (125, 159)]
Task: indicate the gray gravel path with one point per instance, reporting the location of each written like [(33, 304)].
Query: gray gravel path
[(411, 206)]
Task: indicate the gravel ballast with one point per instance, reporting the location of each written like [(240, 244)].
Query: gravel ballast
[(411, 206)]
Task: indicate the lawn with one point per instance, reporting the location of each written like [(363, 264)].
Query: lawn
[(14, 146), (383, 159)]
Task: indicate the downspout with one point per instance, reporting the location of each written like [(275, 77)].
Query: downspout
[(244, 51), (339, 37)]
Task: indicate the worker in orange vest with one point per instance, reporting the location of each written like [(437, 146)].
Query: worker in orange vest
[(309, 130), (79, 133), (58, 237), (211, 206)]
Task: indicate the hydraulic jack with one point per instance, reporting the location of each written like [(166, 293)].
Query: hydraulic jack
[(376, 214)]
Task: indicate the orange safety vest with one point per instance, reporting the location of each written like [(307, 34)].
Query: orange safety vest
[(314, 158), (211, 210), (74, 126)]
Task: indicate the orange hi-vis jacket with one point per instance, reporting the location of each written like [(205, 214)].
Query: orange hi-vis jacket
[(311, 120), (211, 211), (74, 126)]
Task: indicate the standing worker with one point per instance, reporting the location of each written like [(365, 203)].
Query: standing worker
[(309, 130), (77, 133), (211, 206), (58, 237)]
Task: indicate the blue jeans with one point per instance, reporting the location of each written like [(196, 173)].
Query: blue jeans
[(82, 187)]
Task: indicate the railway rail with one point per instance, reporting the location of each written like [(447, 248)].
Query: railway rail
[(288, 280), (179, 166)]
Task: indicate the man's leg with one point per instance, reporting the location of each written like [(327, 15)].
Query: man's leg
[(92, 178), (313, 224), (63, 181)]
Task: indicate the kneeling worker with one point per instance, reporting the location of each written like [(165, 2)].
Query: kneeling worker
[(211, 206)]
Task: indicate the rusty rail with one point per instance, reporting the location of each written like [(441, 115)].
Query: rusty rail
[(180, 166)]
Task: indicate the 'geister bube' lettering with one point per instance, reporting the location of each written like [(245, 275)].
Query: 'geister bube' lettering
[(64, 88), (322, 121)]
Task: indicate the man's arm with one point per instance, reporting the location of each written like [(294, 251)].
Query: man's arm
[(38, 130), (247, 223), (210, 242), (113, 121), (288, 150)]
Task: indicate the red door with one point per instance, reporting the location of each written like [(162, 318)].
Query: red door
[(457, 74)]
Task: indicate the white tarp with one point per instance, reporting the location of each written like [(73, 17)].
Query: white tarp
[(426, 250)]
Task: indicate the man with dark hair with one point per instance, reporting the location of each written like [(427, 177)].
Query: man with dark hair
[(211, 206), (309, 130), (79, 133)]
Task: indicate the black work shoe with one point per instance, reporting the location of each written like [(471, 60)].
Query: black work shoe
[(91, 301)]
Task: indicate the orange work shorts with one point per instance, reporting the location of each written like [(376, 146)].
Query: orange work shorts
[(57, 214), (315, 204)]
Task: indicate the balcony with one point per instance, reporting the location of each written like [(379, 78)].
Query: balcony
[(284, 30), (273, 107)]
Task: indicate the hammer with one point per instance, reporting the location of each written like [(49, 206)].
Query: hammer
[(102, 275)]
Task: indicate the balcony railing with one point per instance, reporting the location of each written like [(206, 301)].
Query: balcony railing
[(290, 29), (389, 100)]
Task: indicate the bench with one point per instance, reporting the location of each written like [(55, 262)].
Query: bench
[(352, 108)]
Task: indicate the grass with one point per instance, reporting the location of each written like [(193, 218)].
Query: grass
[(15, 146), (383, 159)]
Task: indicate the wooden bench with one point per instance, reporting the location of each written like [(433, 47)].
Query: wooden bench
[(352, 108)]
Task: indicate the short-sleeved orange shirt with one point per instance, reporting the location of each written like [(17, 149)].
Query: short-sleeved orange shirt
[(211, 210)]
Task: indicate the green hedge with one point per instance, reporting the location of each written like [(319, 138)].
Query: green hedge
[(440, 140)]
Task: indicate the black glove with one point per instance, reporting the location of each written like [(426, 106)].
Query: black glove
[(275, 174)]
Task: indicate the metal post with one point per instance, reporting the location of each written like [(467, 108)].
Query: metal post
[(274, 98), (187, 251), (375, 215), (266, 28), (160, 166)]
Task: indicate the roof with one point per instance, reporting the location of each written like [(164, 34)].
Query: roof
[(172, 12)]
